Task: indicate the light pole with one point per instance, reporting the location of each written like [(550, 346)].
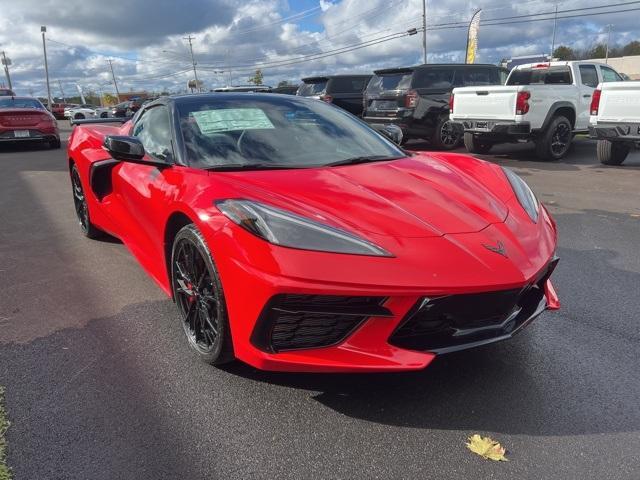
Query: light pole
[(115, 84), (43, 29), (424, 31), (64, 100), (6, 62), (553, 40), (193, 61), (606, 57)]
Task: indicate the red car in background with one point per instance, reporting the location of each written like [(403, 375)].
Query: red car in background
[(26, 119), (57, 109), (294, 237)]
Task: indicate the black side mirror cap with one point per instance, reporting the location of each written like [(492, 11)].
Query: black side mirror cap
[(124, 148)]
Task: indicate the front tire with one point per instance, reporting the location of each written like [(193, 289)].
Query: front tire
[(199, 296), (612, 153), (555, 141), (475, 145), (445, 136), (79, 116), (80, 203), (104, 115)]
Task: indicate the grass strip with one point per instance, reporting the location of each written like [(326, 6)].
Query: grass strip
[(5, 472)]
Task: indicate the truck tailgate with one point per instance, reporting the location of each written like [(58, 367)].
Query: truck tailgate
[(491, 103), (620, 102)]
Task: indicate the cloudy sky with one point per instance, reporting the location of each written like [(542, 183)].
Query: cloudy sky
[(288, 39)]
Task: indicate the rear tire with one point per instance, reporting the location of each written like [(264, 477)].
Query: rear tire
[(445, 136), (55, 144), (104, 115), (554, 143), (199, 296), (612, 153), (475, 145)]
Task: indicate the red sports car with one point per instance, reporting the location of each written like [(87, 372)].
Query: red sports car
[(294, 237), (26, 119)]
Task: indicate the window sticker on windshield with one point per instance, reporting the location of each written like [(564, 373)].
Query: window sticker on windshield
[(229, 119)]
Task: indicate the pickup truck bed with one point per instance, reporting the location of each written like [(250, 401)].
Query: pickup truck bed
[(615, 120)]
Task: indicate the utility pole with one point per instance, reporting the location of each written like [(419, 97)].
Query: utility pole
[(6, 62), (43, 29), (115, 84), (424, 31), (553, 40), (606, 57), (64, 100), (193, 61)]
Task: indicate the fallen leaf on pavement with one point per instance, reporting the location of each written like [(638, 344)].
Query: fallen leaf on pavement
[(486, 448)]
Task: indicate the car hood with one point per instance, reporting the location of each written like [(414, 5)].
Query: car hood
[(417, 196)]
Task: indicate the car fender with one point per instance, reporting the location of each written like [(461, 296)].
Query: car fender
[(552, 112)]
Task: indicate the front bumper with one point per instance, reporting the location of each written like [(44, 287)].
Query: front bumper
[(370, 342), (618, 132)]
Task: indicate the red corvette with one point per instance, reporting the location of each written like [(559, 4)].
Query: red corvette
[(294, 237)]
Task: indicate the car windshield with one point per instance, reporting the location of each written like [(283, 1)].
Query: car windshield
[(274, 131), (13, 102), (393, 81), (312, 88)]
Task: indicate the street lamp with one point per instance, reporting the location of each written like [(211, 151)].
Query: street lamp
[(43, 29)]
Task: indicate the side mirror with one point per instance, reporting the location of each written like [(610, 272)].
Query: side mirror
[(391, 131), (129, 149)]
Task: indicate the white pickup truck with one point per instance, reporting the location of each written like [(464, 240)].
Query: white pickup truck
[(615, 120), (546, 103)]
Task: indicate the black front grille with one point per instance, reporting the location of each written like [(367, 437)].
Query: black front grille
[(450, 322), (291, 322)]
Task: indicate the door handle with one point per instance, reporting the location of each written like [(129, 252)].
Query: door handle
[(588, 95)]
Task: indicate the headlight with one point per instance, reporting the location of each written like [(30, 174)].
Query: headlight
[(290, 230), (525, 195)]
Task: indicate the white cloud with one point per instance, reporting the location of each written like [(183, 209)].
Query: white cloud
[(245, 35)]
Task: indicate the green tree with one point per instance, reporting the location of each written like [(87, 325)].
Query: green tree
[(257, 78), (631, 48), (564, 53), (599, 51), (109, 99)]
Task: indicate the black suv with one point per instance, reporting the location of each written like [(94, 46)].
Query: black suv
[(417, 98), (345, 91)]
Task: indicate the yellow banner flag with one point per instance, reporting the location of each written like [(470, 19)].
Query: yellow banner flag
[(472, 37)]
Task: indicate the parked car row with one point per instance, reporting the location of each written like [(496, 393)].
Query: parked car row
[(546, 103)]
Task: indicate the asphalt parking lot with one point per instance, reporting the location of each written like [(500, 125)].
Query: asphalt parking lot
[(100, 383)]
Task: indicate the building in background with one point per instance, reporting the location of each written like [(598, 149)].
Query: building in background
[(629, 65)]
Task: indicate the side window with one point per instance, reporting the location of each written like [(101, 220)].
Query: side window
[(478, 76), (589, 76), (153, 128), (609, 75)]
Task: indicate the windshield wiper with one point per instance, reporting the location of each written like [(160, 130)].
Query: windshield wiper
[(356, 160), (231, 167)]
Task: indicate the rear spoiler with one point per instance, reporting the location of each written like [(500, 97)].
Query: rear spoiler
[(85, 121)]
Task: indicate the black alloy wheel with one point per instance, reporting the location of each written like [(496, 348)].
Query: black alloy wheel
[(80, 204), (561, 139), (199, 297), (449, 137), (555, 141)]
